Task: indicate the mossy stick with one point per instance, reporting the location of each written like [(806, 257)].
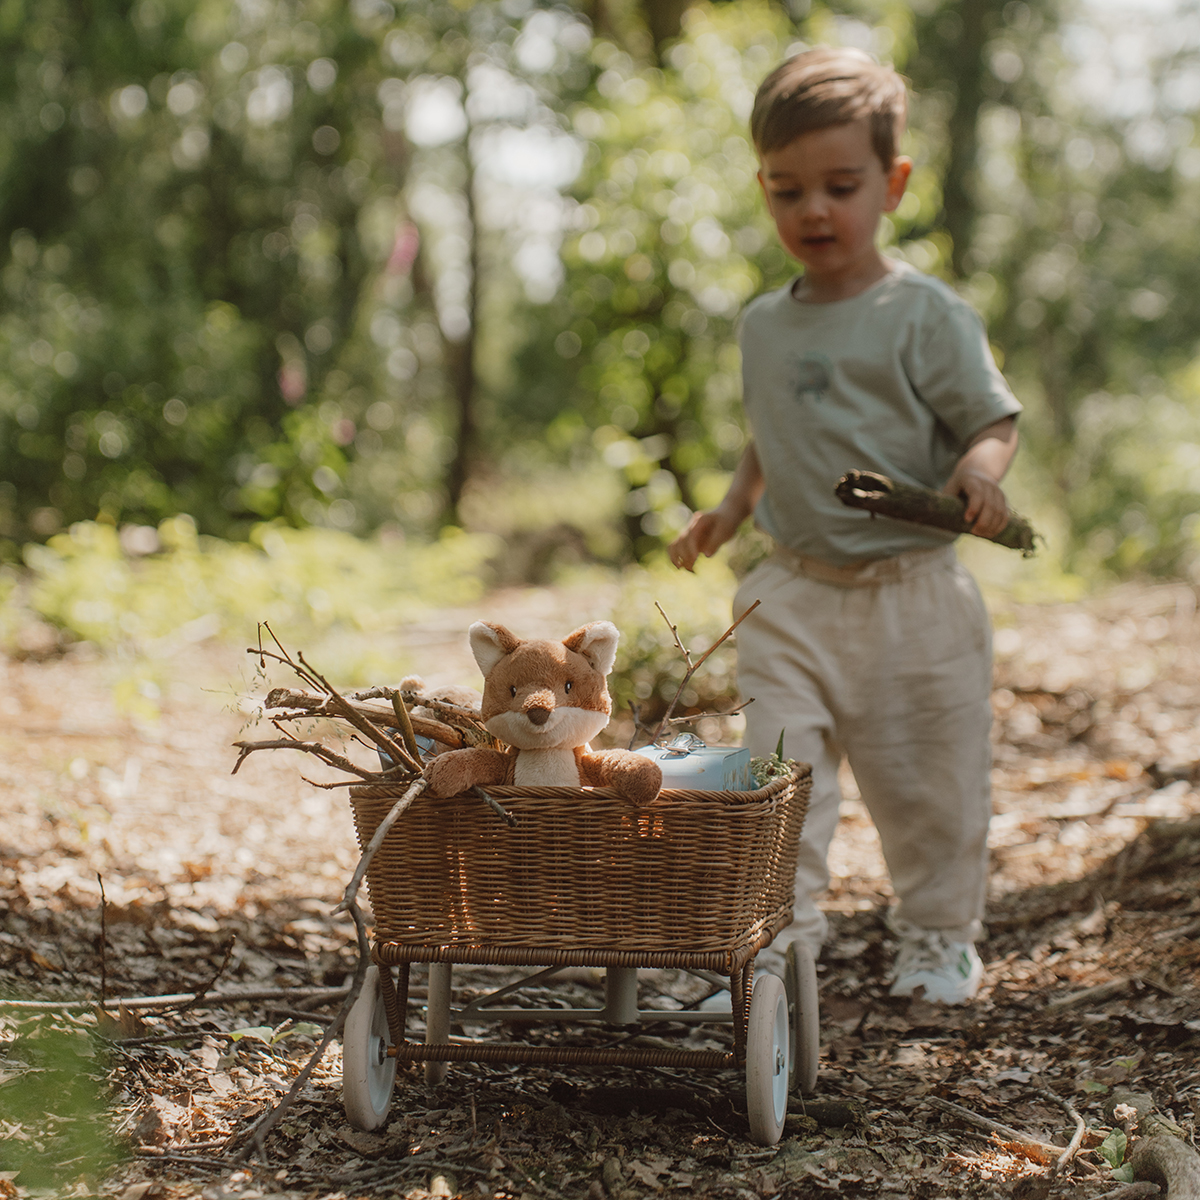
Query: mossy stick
[(923, 506)]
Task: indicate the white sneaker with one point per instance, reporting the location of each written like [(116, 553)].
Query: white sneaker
[(950, 972)]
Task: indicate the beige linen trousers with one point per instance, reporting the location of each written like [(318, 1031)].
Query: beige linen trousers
[(890, 664)]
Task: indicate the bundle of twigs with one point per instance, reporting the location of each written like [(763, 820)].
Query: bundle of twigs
[(381, 718)]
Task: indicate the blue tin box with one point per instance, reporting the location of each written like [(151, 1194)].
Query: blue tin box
[(687, 762)]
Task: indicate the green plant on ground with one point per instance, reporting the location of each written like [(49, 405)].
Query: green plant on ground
[(304, 582), (56, 1128)]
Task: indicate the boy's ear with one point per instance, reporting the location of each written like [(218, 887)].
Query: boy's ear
[(897, 181), (762, 183)]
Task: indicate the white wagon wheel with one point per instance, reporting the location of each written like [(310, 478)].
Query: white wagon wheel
[(437, 1018), (804, 1018), (368, 1073), (767, 1060)]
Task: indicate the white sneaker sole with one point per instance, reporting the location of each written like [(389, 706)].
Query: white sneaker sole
[(939, 990)]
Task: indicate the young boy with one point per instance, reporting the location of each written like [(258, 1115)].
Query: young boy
[(871, 640)]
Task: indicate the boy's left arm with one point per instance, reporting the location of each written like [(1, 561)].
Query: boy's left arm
[(978, 473)]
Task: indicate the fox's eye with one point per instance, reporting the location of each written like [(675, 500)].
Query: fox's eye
[(513, 691), (568, 686)]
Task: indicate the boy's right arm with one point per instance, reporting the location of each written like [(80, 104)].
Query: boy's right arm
[(708, 531)]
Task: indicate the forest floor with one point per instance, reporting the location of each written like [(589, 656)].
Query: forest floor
[(132, 864)]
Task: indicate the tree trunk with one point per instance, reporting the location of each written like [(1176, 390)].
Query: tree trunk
[(664, 19), (967, 74), (460, 358)]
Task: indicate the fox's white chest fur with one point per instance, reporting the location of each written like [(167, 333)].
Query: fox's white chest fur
[(555, 767)]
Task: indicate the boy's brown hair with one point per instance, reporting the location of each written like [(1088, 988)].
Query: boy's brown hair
[(829, 86)]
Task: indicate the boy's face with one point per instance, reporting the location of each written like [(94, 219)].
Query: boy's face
[(826, 191)]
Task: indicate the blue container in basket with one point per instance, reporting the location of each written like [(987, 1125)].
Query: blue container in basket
[(424, 744), (688, 763)]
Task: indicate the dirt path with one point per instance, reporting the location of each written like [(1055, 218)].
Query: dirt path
[(114, 774)]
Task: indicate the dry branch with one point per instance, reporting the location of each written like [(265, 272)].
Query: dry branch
[(1080, 1130), (315, 748), (307, 705), (258, 1132), (212, 1000), (343, 708), (1042, 1152), (397, 811), (691, 667), (923, 506), (1133, 1191), (1098, 994)]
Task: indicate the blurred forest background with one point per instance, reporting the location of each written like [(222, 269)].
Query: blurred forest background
[(409, 269)]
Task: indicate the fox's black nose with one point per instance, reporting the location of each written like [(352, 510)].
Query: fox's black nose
[(539, 716)]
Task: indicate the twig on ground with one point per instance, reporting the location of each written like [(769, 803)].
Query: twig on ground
[(219, 1000), (1080, 1130), (1043, 1152), (1093, 995), (103, 942), (198, 1160), (1133, 1191), (230, 942), (300, 1014), (184, 1035)]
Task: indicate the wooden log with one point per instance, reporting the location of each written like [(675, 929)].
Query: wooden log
[(923, 506), (1170, 1162)]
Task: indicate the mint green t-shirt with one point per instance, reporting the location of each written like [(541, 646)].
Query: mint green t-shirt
[(897, 379)]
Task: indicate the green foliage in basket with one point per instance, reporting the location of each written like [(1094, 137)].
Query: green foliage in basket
[(304, 582), (766, 769), (649, 666)]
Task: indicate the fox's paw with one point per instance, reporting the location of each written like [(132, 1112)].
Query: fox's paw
[(458, 771), (637, 778), (449, 774)]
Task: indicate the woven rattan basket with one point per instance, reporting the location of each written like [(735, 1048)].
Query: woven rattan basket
[(582, 869)]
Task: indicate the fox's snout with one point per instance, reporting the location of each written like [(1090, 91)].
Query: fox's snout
[(539, 706)]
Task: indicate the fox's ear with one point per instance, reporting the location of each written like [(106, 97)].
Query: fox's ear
[(490, 643), (597, 642)]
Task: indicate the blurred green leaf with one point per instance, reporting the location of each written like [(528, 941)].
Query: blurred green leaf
[(1112, 1149)]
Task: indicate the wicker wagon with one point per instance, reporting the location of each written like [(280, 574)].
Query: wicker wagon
[(698, 880)]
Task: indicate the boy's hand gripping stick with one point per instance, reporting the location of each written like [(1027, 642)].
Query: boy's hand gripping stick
[(923, 506)]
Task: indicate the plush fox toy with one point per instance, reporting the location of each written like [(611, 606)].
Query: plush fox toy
[(546, 699)]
